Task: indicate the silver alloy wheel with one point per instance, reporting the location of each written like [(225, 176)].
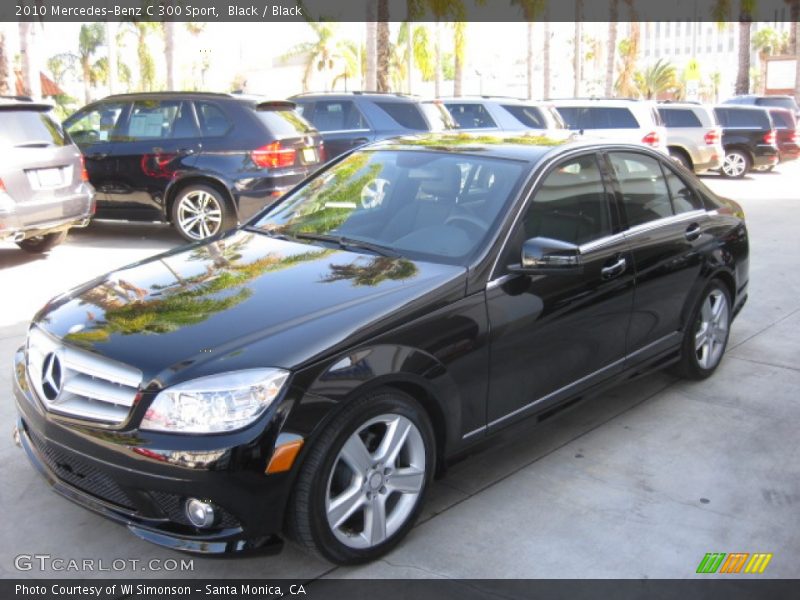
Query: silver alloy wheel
[(199, 214), (376, 481), (734, 165), (712, 329)]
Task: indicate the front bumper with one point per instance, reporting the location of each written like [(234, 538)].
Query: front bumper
[(99, 471)]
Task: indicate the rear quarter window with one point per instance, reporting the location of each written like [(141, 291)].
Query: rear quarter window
[(404, 114), (679, 117), (19, 127), (470, 116), (284, 123), (782, 120), (213, 120), (530, 116)]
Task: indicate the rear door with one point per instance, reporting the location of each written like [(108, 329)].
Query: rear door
[(665, 226), (158, 138)]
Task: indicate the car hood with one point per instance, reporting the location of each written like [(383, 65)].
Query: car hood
[(244, 301)]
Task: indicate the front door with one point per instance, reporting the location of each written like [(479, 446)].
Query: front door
[(554, 334)]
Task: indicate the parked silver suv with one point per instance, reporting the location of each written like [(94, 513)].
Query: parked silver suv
[(44, 187), (693, 136)]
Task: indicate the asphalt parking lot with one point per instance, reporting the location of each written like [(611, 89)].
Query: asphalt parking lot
[(638, 483)]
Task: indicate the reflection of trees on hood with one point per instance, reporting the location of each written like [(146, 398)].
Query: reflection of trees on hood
[(193, 300), (376, 270)]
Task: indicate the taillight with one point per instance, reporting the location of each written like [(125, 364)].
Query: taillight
[(2, 186), (651, 139), (323, 154), (712, 137), (84, 172), (769, 138), (794, 138), (274, 156)]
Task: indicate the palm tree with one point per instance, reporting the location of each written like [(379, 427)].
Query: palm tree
[(721, 12), (90, 39), (612, 46), (320, 54), (111, 44), (629, 53), (384, 49), (531, 10), (546, 58), (5, 68), (31, 78), (372, 48), (656, 79), (577, 58), (142, 30), (460, 49), (169, 52)]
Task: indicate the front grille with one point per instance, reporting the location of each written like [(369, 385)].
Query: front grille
[(172, 506), (80, 384), (76, 472)]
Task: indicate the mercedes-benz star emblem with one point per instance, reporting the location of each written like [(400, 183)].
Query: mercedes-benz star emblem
[(51, 376)]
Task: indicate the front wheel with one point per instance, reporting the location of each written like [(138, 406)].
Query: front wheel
[(363, 484), (43, 243), (736, 164), (200, 212), (706, 335)]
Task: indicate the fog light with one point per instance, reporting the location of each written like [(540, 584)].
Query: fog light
[(200, 513)]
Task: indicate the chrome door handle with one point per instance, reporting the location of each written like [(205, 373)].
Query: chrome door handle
[(614, 270), (692, 232)]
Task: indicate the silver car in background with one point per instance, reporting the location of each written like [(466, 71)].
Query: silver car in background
[(694, 138), (44, 187)]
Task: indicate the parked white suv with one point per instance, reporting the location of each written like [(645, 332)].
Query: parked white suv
[(693, 136), (633, 121)]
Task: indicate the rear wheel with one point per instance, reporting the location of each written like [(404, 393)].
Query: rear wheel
[(200, 211), (43, 243), (364, 482), (706, 335), (736, 164)]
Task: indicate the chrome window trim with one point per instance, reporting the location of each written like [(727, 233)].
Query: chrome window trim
[(665, 221), (573, 384)]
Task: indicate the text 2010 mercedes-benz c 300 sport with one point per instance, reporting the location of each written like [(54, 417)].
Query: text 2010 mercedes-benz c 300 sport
[(308, 373)]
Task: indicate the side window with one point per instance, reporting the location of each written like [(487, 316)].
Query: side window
[(572, 204), (213, 120), (337, 115), (608, 118), (152, 120), (645, 195), (96, 124), (470, 116), (679, 117)]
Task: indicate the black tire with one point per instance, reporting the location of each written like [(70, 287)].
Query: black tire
[(307, 520), (219, 207), (680, 156), (43, 243), (739, 157), (689, 366)]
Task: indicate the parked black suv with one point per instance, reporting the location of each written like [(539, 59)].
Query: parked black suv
[(347, 120), (310, 372), (200, 161), (776, 101), (44, 187), (748, 138)]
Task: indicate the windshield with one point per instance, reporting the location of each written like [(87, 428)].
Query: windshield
[(419, 204)]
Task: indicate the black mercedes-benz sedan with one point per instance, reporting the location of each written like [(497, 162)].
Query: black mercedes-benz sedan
[(307, 374)]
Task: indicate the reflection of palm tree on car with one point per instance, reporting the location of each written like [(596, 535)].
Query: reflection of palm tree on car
[(376, 270)]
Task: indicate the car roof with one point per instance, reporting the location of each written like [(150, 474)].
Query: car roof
[(742, 107), (357, 94), (522, 146), (501, 99), (22, 102)]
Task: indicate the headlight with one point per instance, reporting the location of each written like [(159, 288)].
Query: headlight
[(216, 403)]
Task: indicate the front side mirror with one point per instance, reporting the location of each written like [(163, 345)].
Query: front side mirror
[(546, 255)]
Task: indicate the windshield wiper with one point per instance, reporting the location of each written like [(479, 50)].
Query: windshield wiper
[(346, 243)]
